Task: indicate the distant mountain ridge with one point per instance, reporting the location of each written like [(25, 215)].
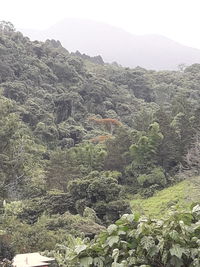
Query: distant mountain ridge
[(116, 45)]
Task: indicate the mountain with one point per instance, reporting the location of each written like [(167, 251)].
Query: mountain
[(116, 45), (78, 139)]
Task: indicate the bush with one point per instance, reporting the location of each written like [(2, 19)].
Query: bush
[(6, 248), (156, 176), (134, 241)]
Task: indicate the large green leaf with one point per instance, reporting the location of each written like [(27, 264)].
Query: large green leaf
[(174, 235), (130, 218), (112, 228), (153, 251), (86, 261), (147, 242), (122, 264), (176, 262), (111, 240), (177, 251), (80, 248), (98, 262), (196, 209), (115, 254)]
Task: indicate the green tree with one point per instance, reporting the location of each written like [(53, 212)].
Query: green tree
[(145, 151), (100, 191)]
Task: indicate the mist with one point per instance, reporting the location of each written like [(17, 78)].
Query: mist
[(149, 51)]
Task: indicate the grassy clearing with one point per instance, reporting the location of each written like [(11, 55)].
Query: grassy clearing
[(178, 197)]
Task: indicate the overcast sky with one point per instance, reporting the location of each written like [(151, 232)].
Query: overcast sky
[(176, 19)]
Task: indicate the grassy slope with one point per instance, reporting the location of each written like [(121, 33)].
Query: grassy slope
[(178, 197)]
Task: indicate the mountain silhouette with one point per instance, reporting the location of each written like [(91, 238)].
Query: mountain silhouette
[(117, 45)]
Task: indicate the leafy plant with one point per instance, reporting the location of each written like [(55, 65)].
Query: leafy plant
[(134, 241)]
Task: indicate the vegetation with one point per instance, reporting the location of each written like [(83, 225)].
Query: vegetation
[(174, 198), (134, 241), (79, 137)]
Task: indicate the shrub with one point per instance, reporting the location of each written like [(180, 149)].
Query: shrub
[(134, 241)]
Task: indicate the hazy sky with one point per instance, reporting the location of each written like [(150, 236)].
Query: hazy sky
[(176, 19)]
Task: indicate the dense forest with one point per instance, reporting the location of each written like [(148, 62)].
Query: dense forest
[(78, 139)]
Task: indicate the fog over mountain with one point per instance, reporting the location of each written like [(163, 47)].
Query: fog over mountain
[(114, 44)]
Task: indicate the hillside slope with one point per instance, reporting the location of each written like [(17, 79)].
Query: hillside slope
[(178, 197), (74, 121), (78, 135)]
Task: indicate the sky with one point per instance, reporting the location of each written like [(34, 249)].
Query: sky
[(176, 19)]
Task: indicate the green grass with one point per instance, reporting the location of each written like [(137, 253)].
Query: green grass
[(175, 198)]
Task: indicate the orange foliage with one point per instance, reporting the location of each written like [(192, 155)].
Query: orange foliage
[(100, 139), (107, 121)]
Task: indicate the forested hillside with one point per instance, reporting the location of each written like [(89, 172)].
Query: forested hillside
[(78, 137)]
